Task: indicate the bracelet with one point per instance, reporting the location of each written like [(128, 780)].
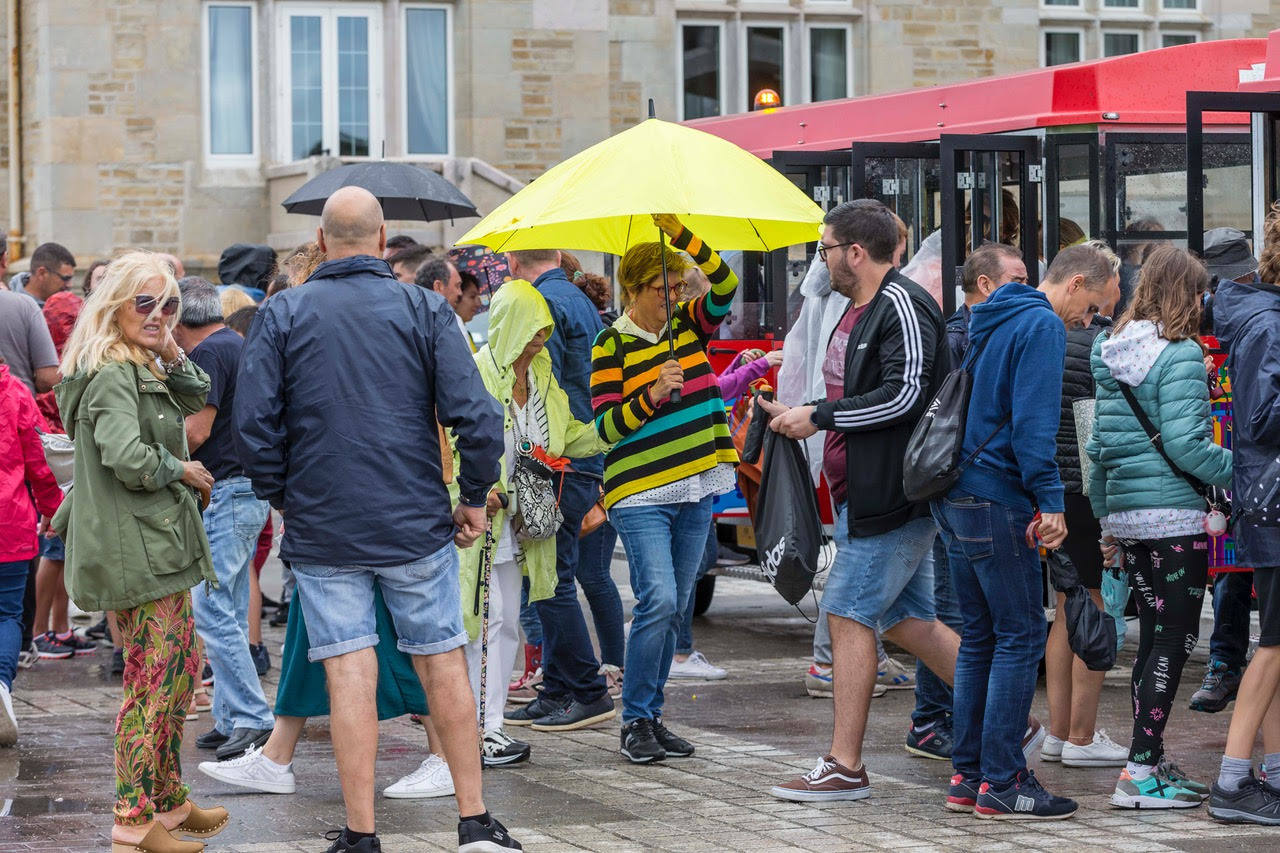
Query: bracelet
[(171, 366)]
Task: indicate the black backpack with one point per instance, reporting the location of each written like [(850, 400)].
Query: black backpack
[(932, 463)]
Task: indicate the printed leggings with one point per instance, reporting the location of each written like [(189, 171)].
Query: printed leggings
[(1168, 580), (160, 668)]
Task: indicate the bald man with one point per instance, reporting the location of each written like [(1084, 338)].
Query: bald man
[(336, 410)]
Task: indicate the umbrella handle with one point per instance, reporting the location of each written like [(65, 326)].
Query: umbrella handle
[(666, 294)]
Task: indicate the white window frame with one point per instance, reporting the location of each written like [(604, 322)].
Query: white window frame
[(1171, 10), (1117, 31), (229, 161), (329, 12), (1078, 32), (1194, 35), (1050, 8), (784, 24), (451, 105), (808, 56), (1109, 6), (681, 23)]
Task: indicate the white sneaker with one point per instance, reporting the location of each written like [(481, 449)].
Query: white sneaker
[(1103, 752), (254, 771), (696, 666), (431, 779), (8, 722), (29, 656), (1051, 749)]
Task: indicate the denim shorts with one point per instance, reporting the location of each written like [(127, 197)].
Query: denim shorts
[(880, 580), (422, 597), (52, 548)]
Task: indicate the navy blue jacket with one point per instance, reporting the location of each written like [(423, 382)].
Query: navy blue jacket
[(577, 324), (1246, 319), (336, 406), (958, 334), (1017, 375)]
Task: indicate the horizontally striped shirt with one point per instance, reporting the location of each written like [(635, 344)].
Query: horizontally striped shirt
[(658, 445)]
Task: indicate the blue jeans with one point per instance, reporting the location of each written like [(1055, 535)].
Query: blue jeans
[(569, 666), (664, 546), (529, 621), (1229, 642), (933, 695), (684, 635), (13, 583), (999, 587), (233, 521), (595, 560)]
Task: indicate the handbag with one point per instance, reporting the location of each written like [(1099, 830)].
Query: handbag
[(1084, 411), (537, 513)]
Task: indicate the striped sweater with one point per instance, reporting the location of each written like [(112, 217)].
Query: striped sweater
[(658, 445)]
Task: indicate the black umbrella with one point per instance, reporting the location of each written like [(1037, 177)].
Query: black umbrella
[(404, 190)]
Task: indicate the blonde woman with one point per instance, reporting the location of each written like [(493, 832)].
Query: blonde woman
[(233, 299), (135, 541)]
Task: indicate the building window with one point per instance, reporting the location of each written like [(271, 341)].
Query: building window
[(1181, 5), (1062, 47), (766, 62), (331, 65), (1176, 39), (428, 87), (701, 79), (1120, 4), (828, 63), (1070, 3), (229, 89), (1121, 44)]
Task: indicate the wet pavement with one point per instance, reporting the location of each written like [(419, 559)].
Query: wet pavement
[(752, 730)]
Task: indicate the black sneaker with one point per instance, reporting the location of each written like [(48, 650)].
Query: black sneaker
[(498, 748), (99, 631), (1255, 802), (206, 677), (340, 844), (674, 745), (934, 742), (576, 715), (535, 710), (640, 743), (261, 658), (78, 645), (211, 739), (484, 835), (1025, 799), (50, 648), (1218, 690), (117, 662), (962, 796)]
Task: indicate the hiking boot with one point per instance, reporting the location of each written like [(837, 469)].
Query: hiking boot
[(817, 683), (640, 743), (1025, 799), (934, 742), (484, 835), (963, 794), (1152, 792), (540, 707), (431, 779), (895, 676), (828, 780), (341, 845), (526, 688), (1255, 802), (1218, 690), (497, 748), (254, 771), (1173, 773), (574, 715), (1103, 752), (674, 745), (696, 666), (48, 647)]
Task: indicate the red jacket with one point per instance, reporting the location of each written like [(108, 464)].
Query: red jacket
[(22, 465)]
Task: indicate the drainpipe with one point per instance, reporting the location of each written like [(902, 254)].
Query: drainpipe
[(15, 135)]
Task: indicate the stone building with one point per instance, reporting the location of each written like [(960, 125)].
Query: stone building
[(180, 124)]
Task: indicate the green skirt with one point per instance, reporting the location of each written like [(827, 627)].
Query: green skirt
[(303, 693)]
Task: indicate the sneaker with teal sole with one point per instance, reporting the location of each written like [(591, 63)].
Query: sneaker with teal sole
[(1152, 792), (1174, 774)]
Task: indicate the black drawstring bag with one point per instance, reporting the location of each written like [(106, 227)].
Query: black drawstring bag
[(754, 442), (788, 529), (1091, 631)]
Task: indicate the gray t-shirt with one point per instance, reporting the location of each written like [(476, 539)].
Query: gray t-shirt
[(24, 337)]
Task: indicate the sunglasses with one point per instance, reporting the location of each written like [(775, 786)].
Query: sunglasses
[(146, 305)]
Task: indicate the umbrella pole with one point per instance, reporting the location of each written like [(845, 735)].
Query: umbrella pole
[(666, 294)]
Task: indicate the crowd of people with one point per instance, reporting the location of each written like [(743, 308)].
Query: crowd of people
[(159, 433)]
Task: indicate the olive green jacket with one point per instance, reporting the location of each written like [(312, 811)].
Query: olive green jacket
[(133, 530)]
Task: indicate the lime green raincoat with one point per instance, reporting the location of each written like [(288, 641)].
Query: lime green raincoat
[(517, 313)]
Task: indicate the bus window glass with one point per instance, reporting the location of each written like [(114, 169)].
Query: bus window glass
[(1228, 180), (1073, 193)]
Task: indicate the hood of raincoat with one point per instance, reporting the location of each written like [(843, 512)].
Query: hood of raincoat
[(517, 312), (1236, 304), (1132, 352), (60, 313), (247, 265)]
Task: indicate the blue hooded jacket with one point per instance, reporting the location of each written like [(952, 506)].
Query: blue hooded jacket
[(1016, 351), (577, 322)]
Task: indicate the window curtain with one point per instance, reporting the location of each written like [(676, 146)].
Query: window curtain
[(427, 92), (230, 80)]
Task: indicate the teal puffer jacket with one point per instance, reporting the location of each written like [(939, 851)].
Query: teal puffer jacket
[(1168, 380)]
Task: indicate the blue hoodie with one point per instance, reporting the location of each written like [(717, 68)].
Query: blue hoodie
[(1020, 346)]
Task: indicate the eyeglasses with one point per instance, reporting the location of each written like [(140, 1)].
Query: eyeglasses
[(146, 305), (823, 249)]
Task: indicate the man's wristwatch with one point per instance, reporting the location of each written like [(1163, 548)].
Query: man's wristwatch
[(813, 416)]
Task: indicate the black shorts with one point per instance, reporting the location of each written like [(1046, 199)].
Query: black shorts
[(1083, 533), (1266, 583)]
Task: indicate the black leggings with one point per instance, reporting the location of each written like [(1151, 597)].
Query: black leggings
[(1168, 580)]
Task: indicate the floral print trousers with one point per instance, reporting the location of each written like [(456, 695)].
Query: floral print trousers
[(160, 669)]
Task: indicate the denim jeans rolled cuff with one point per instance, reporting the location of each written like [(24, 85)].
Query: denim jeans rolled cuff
[(457, 641), (664, 546), (999, 589), (933, 695), (684, 637), (880, 580), (345, 647), (1232, 602), (13, 583)]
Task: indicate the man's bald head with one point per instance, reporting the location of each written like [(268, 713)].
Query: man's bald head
[(351, 224)]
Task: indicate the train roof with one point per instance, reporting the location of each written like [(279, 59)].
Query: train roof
[(1138, 90)]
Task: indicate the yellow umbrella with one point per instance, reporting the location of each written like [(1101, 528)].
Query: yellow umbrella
[(601, 199)]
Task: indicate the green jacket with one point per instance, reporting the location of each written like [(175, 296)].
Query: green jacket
[(133, 530), (1168, 380), (516, 314)]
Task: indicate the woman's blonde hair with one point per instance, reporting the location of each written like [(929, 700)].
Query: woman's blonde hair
[(1269, 264), (1168, 294), (97, 339), (643, 263), (233, 299)]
